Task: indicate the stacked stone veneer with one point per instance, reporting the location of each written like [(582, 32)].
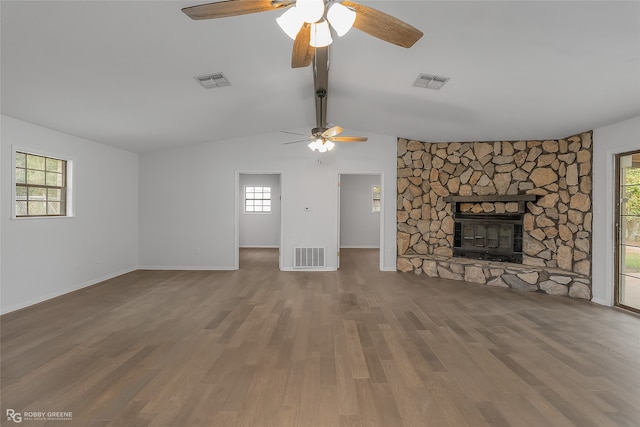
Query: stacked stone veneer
[(556, 228)]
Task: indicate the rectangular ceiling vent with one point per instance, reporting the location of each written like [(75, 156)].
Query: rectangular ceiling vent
[(429, 81), (210, 81)]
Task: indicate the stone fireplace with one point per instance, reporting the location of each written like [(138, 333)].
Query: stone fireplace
[(513, 214)]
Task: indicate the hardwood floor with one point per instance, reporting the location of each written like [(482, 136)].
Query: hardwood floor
[(358, 347)]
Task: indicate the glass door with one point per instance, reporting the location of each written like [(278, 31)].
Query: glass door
[(627, 290)]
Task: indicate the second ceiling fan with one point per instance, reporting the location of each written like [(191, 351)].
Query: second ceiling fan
[(323, 136)]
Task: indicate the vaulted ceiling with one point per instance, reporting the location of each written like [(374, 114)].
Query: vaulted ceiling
[(121, 72)]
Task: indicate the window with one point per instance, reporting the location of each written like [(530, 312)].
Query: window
[(257, 199), (375, 192), (41, 185)]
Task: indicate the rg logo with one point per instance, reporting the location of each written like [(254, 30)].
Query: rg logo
[(14, 416)]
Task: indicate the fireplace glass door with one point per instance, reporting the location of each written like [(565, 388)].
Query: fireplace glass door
[(487, 236)]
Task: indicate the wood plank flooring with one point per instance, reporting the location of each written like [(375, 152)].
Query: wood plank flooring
[(358, 347)]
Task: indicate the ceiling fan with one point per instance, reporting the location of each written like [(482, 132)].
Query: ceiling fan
[(307, 22), (323, 139)]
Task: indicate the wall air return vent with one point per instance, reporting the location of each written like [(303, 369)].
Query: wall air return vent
[(210, 81), (308, 257), (429, 81)]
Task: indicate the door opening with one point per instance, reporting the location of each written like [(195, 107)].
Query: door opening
[(359, 214), (258, 220), (627, 282)]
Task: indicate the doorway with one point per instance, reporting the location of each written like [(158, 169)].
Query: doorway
[(360, 214), (258, 220), (627, 285)]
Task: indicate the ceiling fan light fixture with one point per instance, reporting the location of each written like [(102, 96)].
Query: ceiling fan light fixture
[(321, 145), (291, 21), (341, 18), (310, 10), (320, 34)]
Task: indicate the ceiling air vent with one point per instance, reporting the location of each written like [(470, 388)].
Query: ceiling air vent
[(430, 81), (210, 81)]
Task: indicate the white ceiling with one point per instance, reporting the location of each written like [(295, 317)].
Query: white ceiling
[(121, 72)]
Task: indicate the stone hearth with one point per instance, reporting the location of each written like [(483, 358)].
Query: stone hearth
[(556, 226)]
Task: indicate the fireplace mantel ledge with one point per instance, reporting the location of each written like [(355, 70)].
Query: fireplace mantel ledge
[(493, 198), (521, 199)]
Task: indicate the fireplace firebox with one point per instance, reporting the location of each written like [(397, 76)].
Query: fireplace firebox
[(489, 235), (494, 237)]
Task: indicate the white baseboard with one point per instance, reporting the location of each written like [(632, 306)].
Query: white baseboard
[(388, 269), (187, 267), (47, 297), (601, 302), (359, 246)]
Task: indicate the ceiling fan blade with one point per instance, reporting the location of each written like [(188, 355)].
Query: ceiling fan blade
[(303, 52), (294, 133), (222, 9), (331, 132), (385, 27), (348, 139), (296, 142)]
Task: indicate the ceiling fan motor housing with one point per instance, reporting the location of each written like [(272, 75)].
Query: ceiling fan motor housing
[(318, 131)]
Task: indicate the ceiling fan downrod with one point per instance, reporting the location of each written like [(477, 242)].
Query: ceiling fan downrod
[(321, 111)]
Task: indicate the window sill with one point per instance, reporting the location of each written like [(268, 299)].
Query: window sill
[(21, 218)]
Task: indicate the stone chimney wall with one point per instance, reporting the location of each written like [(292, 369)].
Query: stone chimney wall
[(557, 228)]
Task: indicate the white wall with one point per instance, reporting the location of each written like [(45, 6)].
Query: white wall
[(44, 258), (260, 230), (607, 142), (359, 227), (187, 197)]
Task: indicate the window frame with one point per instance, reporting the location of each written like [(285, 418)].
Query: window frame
[(374, 208), (245, 199), (68, 188)]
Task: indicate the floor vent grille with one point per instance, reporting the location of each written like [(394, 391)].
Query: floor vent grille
[(309, 257)]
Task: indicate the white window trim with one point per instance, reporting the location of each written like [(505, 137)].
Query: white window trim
[(71, 211), (244, 200)]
